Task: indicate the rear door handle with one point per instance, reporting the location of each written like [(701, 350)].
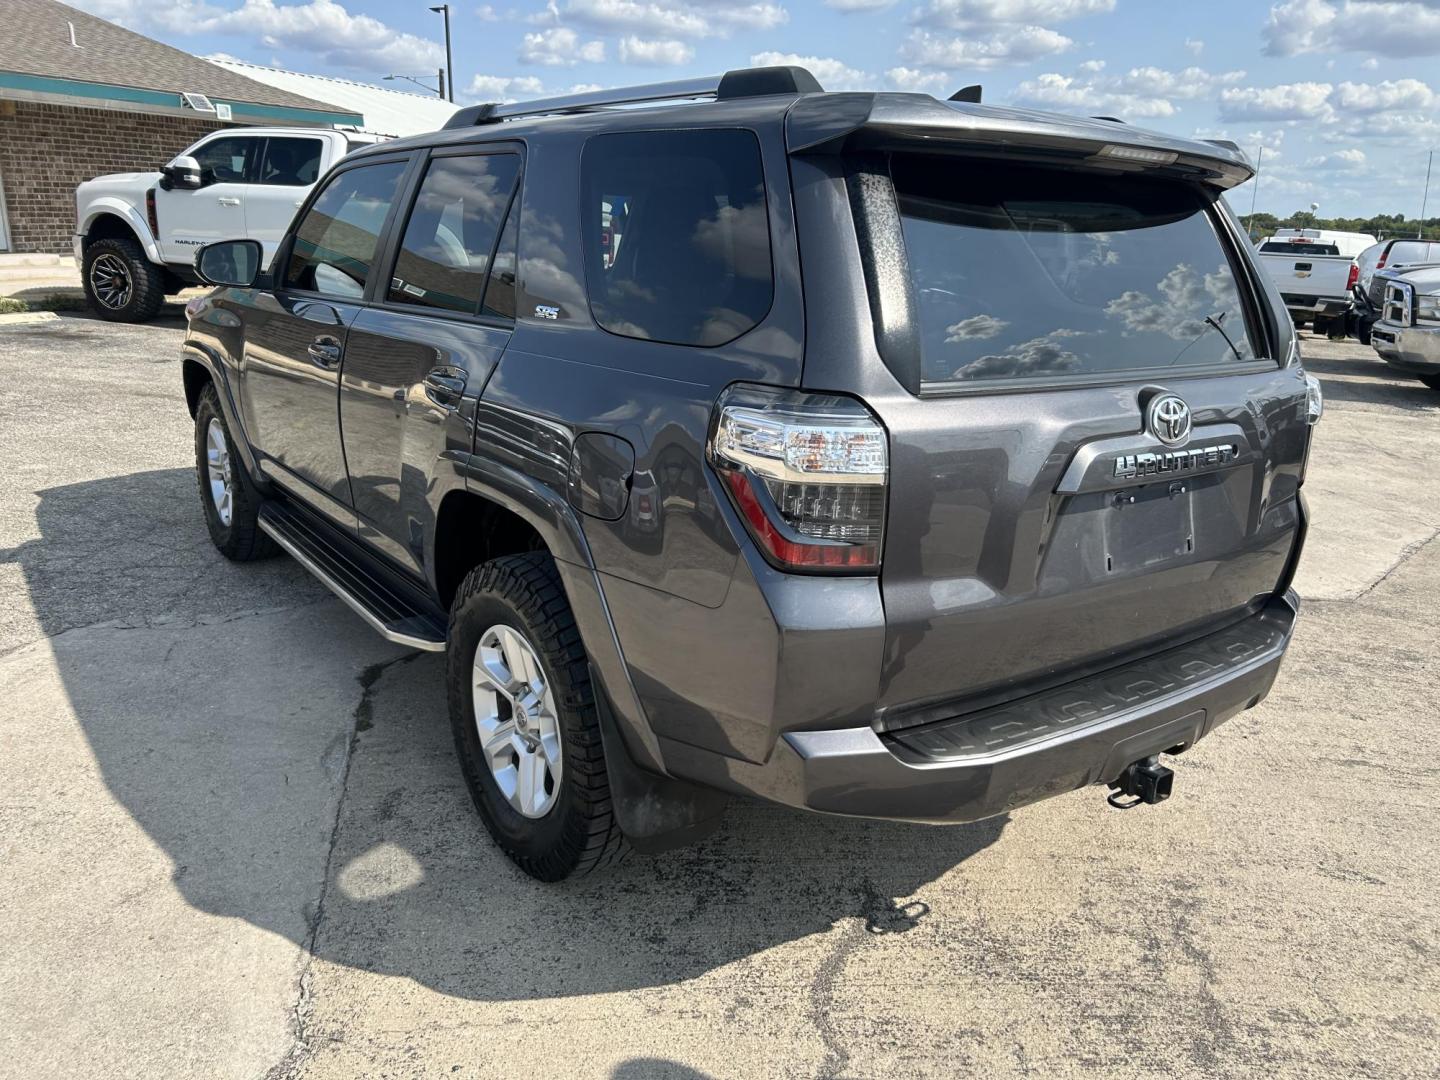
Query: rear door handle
[(226, 200), (445, 385), (325, 352)]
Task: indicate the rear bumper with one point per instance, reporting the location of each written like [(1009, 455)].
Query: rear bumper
[(986, 763), (1316, 305), (1411, 349)]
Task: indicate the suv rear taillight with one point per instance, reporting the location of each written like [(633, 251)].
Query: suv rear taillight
[(808, 474), (1353, 278)]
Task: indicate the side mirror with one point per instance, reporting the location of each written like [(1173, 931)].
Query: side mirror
[(183, 172), (230, 262)]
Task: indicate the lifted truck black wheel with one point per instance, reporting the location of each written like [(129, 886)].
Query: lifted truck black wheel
[(121, 284), (525, 722), (232, 505)]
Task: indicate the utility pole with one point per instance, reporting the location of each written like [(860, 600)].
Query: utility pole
[(1255, 191), (449, 83), (1425, 199), (440, 75)]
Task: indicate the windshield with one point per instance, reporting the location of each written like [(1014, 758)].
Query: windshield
[(1283, 247), (1023, 272)]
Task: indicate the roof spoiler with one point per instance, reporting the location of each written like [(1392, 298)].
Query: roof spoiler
[(741, 83)]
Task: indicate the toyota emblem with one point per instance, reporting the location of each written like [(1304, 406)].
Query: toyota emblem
[(1168, 418)]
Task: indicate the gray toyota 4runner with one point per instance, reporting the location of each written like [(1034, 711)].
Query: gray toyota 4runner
[(859, 452)]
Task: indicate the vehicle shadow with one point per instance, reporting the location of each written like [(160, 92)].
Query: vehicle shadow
[(1370, 382), (413, 885)]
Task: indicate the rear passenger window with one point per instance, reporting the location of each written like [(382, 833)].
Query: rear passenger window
[(335, 243), (677, 241), (450, 236), (291, 162)]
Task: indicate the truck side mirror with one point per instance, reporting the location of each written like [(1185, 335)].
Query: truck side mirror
[(183, 172), (229, 262)]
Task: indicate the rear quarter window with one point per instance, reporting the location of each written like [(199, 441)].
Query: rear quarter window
[(677, 240), (1022, 272)]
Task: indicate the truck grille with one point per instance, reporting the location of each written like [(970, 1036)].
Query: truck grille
[(1399, 305)]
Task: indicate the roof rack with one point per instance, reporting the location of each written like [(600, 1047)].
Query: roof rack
[(742, 83)]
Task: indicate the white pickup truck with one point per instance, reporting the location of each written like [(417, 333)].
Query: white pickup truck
[(136, 234), (1314, 271)]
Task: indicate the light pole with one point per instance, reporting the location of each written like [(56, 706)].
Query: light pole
[(1425, 199), (439, 75), (444, 9)]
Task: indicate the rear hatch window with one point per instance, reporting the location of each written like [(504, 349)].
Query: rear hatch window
[(1033, 273), (1286, 247)]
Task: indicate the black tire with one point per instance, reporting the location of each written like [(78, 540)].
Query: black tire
[(141, 281), (1432, 381), (579, 833), (241, 540), (1362, 331)]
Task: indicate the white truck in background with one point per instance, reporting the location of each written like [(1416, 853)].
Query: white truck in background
[(136, 234), (1314, 270)]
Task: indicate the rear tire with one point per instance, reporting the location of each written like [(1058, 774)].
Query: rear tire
[(231, 503), (1432, 381), (121, 284), (1362, 332), (560, 826)]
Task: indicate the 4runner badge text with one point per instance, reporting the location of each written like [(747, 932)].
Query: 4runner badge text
[(1129, 466)]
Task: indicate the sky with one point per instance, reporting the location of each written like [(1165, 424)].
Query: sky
[(1342, 95)]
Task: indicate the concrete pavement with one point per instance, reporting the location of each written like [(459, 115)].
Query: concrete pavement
[(235, 841)]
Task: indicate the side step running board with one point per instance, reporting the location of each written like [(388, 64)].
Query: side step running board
[(393, 609)]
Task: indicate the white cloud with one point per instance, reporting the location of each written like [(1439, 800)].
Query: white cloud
[(975, 328), (1195, 45), (320, 28), (849, 6), (663, 18), (833, 74), (559, 46), (970, 14), (1393, 28), (661, 53), (915, 81), (486, 13), (504, 87), (1340, 161), (1388, 96), (1140, 92), (1287, 101), (1017, 46)]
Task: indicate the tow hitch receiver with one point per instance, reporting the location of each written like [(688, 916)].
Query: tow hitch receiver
[(1143, 781)]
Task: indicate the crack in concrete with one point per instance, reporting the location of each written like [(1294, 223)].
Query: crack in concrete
[(1408, 552), (300, 1049)]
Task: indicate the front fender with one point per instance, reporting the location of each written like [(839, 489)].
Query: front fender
[(195, 354), (118, 207)]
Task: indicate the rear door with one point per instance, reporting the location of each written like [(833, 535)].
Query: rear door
[(1103, 455), (287, 169), (441, 319)]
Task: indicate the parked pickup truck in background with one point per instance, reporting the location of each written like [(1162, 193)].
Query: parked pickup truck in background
[(136, 234), (1407, 336), (1397, 256), (1314, 271)]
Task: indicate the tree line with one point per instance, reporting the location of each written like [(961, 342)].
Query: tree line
[(1381, 226)]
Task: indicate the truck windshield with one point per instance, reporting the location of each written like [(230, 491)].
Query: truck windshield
[(1025, 272), (1283, 247)]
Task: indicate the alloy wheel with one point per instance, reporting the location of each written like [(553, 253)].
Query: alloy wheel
[(110, 281), (217, 470), (518, 726)]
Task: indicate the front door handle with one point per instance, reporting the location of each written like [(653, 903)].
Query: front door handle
[(226, 200), (325, 353), (445, 385)]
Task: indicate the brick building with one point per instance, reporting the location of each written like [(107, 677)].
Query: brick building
[(80, 97)]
